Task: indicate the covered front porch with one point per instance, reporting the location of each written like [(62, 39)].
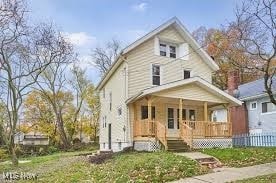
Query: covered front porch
[(186, 113), (161, 118)]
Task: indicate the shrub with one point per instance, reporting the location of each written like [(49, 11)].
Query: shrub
[(52, 149), (3, 154), (76, 141), (100, 158), (18, 151)]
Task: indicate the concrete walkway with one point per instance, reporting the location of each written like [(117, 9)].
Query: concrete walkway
[(194, 155), (232, 174)]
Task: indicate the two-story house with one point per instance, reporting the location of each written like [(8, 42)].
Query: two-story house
[(159, 94)]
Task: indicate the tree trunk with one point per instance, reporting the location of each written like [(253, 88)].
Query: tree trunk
[(61, 130), (12, 151)]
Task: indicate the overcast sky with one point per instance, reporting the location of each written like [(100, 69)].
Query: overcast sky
[(90, 23)]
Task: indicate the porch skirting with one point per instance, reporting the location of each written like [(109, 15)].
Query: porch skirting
[(150, 144), (212, 143)]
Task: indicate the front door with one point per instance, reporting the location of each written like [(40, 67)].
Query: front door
[(109, 136), (173, 119), (172, 122)]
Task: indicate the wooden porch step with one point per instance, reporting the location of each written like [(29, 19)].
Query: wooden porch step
[(177, 146)]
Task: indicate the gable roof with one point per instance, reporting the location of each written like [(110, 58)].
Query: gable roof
[(183, 32), (197, 80), (254, 89)]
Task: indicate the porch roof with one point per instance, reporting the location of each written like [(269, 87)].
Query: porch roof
[(179, 85)]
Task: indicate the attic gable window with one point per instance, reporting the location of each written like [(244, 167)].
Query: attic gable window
[(163, 49)]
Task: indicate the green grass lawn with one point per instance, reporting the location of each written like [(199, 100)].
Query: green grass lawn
[(241, 157), (123, 167), (271, 178)]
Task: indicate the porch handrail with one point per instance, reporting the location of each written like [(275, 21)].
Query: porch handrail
[(186, 134), (144, 128), (161, 133), (210, 129)]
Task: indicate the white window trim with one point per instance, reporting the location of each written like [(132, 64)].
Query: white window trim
[(265, 113), (251, 105), (187, 69), (151, 76), (168, 44)]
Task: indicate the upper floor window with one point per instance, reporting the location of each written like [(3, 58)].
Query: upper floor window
[(163, 49), (187, 74), (110, 101), (253, 105), (268, 107), (155, 75), (172, 51)]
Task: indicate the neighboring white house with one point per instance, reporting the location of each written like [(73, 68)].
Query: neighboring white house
[(31, 139), (151, 82)]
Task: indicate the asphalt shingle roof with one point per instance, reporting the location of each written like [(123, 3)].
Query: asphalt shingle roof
[(254, 88)]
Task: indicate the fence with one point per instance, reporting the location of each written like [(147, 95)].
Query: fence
[(253, 140)]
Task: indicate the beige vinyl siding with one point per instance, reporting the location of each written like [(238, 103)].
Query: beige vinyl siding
[(115, 85), (140, 60), (191, 92), (171, 34)]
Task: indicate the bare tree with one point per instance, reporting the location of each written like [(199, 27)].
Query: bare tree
[(52, 82), (20, 67), (255, 26), (80, 85), (103, 57)]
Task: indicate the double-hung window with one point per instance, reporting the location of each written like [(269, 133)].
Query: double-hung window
[(155, 75), (172, 51), (163, 49), (268, 107)]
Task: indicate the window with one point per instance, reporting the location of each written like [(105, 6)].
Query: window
[(187, 74), (155, 75), (170, 118), (192, 115), (104, 145), (103, 92), (268, 107), (172, 51), (120, 145), (183, 116), (110, 101), (104, 121), (192, 118), (119, 111), (163, 49), (144, 112), (253, 105)]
